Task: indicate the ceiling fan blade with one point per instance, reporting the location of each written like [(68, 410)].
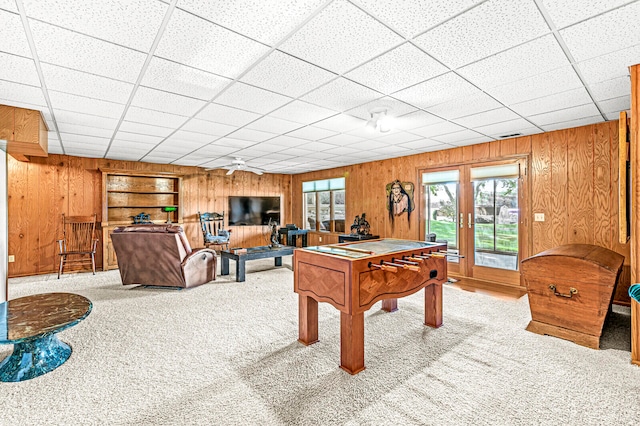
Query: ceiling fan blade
[(256, 171)]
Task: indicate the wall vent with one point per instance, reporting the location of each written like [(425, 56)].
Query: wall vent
[(510, 136)]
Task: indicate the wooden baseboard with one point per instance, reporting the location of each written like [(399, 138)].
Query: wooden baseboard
[(581, 339)]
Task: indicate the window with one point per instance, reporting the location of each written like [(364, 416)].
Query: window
[(324, 205)]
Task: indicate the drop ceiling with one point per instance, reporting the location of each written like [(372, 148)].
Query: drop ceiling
[(289, 85)]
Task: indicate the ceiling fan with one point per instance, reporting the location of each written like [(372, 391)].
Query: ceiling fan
[(240, 164)]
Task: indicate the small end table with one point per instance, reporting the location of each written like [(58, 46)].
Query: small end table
[(30, 323)]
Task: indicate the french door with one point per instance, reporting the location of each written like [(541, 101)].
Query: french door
[(477, 209)]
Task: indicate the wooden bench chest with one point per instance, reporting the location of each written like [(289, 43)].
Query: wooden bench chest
[(570, 289)]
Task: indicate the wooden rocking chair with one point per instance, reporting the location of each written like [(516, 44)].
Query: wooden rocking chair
[(78, 243), (213, 232)]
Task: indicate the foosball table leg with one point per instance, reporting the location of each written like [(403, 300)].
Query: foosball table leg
[(352, 342), (433, 305), (307, 320)]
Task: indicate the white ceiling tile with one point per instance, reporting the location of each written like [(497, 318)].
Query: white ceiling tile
[(208, 127), (556, 102), (424, 145), (396, 138), (464, 135), (145, 129), (613, 88), (568, 114), (604, 34), (573, 123), (282, 73), (395, 70), (287, 141), (183, 80), (251, 135), (21, 94), (84, 151), (441, 128), (148, 116), (505, 128), (393, 151), (316, 146), (436, 91), (394, 107), (365, 145), (303, 112), (610, 66), (211, 150), (483, 31), (273, 125), (85, 119), (311, 133), (265, 20), (9, 5), (84, 84), (233, 143), (615, 105), (158, 159), (415, 119), (18, 69), (123, 155), (488, 117), (343, 151), (85, 130), (85, 105), (535, 57), (70, 140), (341, 95), (12, 34), (545, 84), (340, 123), (176, 146), (613, 115), (343, 139), (132, 23), (471, 104), (472, 141), (73, 50), (143, 142), (251, 98), (207, 46), (166, 102), (409, 17), (198, 138), (566, 12), (340, 38), (227, 115)]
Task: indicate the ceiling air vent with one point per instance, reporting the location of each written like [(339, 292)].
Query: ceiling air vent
[(510, 136)]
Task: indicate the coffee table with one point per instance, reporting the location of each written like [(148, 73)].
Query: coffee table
[(252, 253), (30, 323)]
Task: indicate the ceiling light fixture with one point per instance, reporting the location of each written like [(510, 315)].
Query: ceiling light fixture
[(379, 120)]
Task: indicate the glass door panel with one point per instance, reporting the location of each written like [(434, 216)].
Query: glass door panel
[(495, 207), (442, 214)]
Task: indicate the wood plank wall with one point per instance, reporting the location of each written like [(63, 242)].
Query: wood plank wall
[(573, 177), (41, 190)]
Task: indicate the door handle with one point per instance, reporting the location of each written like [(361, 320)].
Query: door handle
[(469, 222), (461, 220)]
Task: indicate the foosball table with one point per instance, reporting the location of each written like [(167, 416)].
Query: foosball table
[(352, 277)]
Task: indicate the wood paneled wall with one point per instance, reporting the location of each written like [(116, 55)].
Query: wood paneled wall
[(44, 188), (573, 177)]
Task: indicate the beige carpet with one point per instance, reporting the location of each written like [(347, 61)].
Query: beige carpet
[(226, 353)]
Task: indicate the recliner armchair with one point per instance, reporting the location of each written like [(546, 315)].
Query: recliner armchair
[(160, 255)]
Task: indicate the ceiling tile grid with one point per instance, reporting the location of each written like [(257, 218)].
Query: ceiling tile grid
[(258, 78)]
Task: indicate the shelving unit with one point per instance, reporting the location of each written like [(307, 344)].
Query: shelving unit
[(126, 194)]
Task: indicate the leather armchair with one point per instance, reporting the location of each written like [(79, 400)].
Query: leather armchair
[(160, 255)]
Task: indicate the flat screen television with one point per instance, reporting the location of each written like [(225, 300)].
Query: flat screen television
[(253, 210)]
